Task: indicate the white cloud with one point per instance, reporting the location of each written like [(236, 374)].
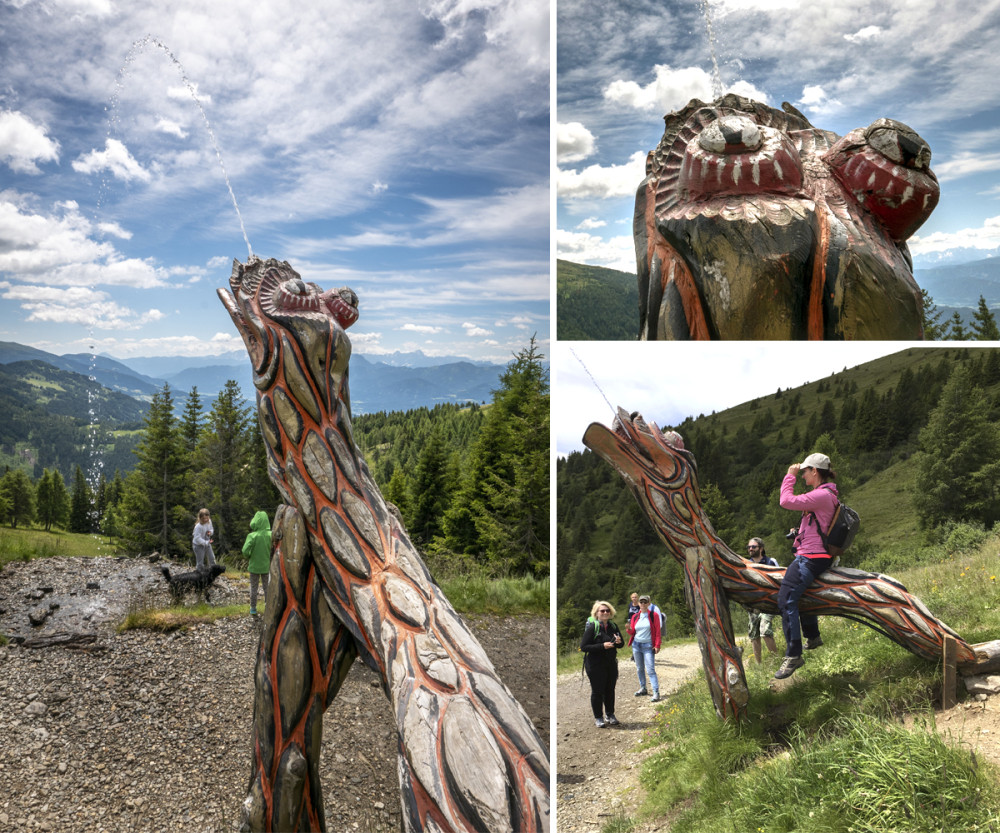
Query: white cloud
[(76, 305), (114, 230), (573, 142), (421, 328), (475, 330), (379, 187), (672, 89), (987, 236), (591, 223), (866, 34), (964, 163), (114, 158), (172, 128), (189, 91), (23, 143), (603, 182), (616, 253)]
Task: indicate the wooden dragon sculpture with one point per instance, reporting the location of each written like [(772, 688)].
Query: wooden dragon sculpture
[(663, 477), (347, 582), (753, 224)]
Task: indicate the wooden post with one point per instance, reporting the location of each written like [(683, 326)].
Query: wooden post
[(720, 655), (949, 656)]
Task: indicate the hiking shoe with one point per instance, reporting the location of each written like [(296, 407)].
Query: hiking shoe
[(599, 723), (655, 698), (788, 667), (812, 644), (612, 720), (253, 611), (641, 692)]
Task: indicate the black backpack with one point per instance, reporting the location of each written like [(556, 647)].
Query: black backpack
[(839, 535)]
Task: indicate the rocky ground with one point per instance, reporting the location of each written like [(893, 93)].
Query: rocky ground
[(148, 732), (598, 769)]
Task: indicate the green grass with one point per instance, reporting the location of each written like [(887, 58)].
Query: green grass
[(478, 593), (25, 544), (829, 751), (141, 617)]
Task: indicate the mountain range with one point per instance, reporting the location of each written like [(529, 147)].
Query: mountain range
[(394, 382)]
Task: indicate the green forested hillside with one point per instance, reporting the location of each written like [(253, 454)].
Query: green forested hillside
[(595, 304), (868, 419), (47, 420)]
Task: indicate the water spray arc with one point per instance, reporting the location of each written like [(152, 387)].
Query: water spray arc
[(137, 48)]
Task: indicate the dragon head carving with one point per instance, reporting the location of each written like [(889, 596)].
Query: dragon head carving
[(269, 302), (753, 224)]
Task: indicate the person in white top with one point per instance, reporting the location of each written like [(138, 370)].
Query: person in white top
[(201, 540)]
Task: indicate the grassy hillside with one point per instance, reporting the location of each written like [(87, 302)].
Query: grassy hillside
[(595, 304), (850, 745)]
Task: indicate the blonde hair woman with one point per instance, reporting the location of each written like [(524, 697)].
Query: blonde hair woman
[(600, 644)]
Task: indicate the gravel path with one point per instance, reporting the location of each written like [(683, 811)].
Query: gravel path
[(598, 769), (151, 732)]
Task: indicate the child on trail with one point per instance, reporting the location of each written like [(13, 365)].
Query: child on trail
[(257, 548)]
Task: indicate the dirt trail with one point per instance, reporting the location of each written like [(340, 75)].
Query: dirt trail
[(598, 769)]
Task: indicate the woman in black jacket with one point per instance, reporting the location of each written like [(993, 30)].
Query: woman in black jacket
[(600, 644)]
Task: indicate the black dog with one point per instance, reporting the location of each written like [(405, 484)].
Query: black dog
[(199, 580)]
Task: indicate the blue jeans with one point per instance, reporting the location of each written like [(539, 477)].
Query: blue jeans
[(799, 575), (642, 653)]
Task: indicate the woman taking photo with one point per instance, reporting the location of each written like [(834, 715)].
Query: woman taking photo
[(600, 644), (811, 558)]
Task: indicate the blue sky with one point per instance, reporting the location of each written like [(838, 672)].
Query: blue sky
[(400, 148), (844, 63)]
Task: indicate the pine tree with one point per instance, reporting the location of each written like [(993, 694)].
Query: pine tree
[(502, 511), (955, 330), (19, 496), (984, 325), (933, 330), (428, 490), (153, 496), (959, 458), (221, 462), (52, 500), (81, 504)]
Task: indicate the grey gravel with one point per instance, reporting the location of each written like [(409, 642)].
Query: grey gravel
[(150, 732)]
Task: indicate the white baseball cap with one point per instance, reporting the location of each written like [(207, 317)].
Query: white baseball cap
[(815, 461)]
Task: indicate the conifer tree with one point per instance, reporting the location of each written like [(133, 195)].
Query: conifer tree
[(959, 458), (984, 325), (221, 461), (428, 490), (81, 504), (52, 500), (933, 329), (954, 329), (19, 496), (501, 513), (152, 512)]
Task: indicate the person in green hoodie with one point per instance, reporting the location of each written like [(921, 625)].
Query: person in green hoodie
[(257, 548)]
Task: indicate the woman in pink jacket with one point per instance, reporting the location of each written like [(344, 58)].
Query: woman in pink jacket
[(811, 558)]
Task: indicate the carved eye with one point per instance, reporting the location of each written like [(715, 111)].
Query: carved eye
[(886, 168), (736, 155), (295, 287), (899, 143)]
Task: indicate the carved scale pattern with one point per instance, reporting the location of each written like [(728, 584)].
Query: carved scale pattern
[(664, 480), (348, 582)]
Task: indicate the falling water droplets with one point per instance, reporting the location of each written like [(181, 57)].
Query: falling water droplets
[(112, 109), (706, 10)]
